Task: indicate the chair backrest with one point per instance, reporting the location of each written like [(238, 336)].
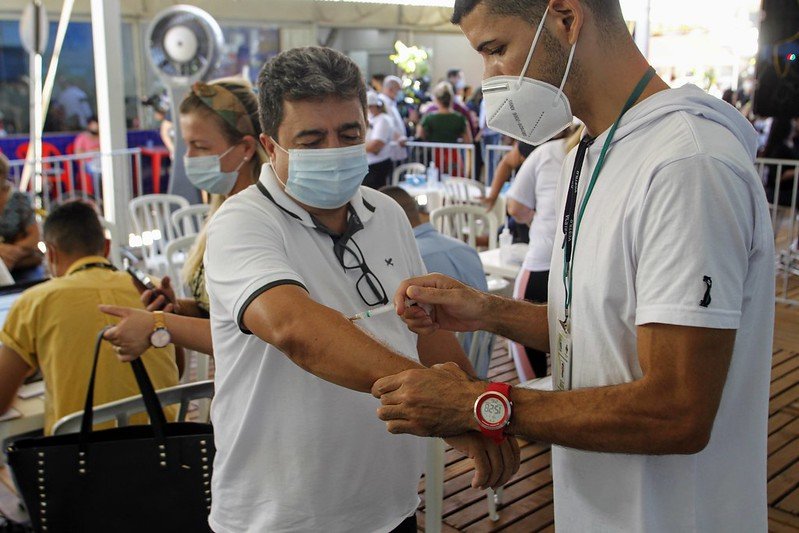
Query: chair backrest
[(407, 168), (465, 223), (152, 219), (48, 150), (176, 253), (479, 347), (190, 220), (463, 191), (122, 410)]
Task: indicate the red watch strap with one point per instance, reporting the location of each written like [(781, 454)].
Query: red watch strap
[(502, 388)]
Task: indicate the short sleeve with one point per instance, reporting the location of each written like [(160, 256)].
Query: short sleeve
[(383, 130), (19, 329), (245, 256), (522, 188), (693, 245), (426, 123)]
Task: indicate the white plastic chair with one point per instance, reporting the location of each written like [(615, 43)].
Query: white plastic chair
[(459, 191), (122, 410), (176, 253), (481, 345), (407, 168), (465, 223), (152, 220), (190, 220)]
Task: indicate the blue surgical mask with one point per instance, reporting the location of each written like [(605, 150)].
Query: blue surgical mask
[(325, 178), (205, 172)]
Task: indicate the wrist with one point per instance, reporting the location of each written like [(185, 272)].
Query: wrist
[(489, 309), (475, 389)]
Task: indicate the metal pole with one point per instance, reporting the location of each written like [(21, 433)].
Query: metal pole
[(37, 115), (109, 76)]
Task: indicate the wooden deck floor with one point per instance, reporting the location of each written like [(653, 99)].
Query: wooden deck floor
[(527, 502)]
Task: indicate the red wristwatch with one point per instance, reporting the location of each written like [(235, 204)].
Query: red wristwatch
[(492, 409)]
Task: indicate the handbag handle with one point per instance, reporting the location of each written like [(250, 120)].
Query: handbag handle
[(151, 402)]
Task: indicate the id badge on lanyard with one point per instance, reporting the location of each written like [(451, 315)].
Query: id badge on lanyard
[(563, 358)]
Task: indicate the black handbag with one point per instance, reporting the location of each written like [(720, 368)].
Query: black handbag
[(131, 479)]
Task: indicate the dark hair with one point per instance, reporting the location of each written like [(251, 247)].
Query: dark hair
[(405, 201), (310, 73), (607, 12), (453, 72), (778, 135), (93, 118), (74, 227), (192, 103), (379, 77)]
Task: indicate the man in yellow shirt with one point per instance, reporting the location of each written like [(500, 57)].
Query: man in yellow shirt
[(52, 326)]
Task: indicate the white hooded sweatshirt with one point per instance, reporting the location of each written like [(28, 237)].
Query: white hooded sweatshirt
[(676, 232)]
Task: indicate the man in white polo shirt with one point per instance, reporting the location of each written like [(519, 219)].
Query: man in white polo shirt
[(287, 261), (661, 299)]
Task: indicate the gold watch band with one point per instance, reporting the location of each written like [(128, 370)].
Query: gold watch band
[(159, 319)]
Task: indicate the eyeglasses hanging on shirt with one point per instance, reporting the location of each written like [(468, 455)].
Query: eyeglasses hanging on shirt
[(350, 257)]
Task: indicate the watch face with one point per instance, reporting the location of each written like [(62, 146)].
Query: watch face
[(492, 411), (160, 338)]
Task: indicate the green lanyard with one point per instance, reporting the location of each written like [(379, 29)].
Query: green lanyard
[(570, 228)]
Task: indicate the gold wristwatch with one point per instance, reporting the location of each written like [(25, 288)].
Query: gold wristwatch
[(160, 337)]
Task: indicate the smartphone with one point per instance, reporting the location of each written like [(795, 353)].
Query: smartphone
[(141, 280)]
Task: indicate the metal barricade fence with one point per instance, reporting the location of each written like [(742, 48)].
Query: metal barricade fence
[(75, 176), (781, 177), (452, 160), (491, 158)]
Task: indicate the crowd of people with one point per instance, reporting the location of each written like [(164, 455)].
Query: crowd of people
[(656, 331)]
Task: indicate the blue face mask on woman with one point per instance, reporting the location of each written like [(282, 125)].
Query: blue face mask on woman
[(205, 173), (325, 178)]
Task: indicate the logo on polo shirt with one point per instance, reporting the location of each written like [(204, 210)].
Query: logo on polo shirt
[(389, 262), (708, 281)]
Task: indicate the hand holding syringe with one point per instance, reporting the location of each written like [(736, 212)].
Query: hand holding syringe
[(370, 313)]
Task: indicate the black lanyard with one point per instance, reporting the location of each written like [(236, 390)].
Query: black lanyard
[(105, 266), (571, 225)]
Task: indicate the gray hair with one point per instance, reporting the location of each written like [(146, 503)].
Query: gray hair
[(310, 73)]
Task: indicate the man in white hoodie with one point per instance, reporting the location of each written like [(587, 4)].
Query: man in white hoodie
[(659, 323)]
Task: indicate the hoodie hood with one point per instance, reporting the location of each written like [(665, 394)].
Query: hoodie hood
[(689, 99)]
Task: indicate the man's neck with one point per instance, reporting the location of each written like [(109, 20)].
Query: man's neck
[(606, 86), (333, 219)]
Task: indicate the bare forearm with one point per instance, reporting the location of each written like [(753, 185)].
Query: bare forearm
[(443, 347), (189, 308), (326, 344), (190, 332), (620, 419), (517, 320)]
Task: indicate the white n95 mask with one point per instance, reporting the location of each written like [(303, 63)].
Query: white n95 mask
[(528, 110)]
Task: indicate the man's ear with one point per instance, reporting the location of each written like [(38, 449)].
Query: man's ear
[(268, 144), (569, 16)]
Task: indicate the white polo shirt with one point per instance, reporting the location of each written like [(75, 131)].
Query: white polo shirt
[(295, 452), (380, 129)]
